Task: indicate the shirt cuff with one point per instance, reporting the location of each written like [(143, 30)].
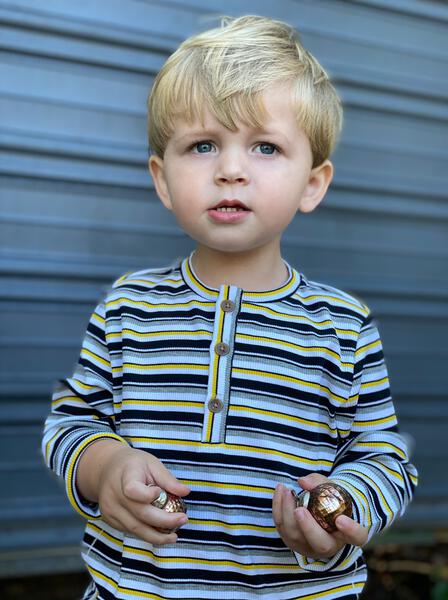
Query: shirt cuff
[(348, 553), (361, 507), (87, 509), (321, 564)]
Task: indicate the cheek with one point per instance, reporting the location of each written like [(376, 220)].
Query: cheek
[(183, 180)]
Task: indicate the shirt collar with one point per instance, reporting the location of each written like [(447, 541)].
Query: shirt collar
[(193, 282)]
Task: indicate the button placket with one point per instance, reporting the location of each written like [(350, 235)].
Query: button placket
[(221, 352)]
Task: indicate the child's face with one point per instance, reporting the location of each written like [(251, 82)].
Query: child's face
[(263, 176)]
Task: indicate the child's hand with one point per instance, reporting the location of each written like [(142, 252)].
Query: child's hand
[(127, 482), (300, 531)]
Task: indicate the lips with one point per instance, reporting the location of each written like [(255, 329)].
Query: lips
[(229, 212), (230, 206)]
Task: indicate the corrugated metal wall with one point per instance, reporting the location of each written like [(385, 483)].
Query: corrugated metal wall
[(77, 210)]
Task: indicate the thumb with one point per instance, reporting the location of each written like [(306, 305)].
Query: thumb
[(353, 532), (311, 481)]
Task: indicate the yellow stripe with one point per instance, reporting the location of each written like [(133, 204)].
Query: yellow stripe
[(272, 413), (97, 575), (148, 281), (229, 486), (161, 333), (370, 384), (391, 419), (394, 473), (231, 526), (71, 466), (288, 285), (374, 485), (314, 386), (233, 447), (95, 357), (354, 491), (257, 308), (197, 282), (97, 317), (85, 386), (60, 400), (203, 561), (380, 493), (48, 444), (383, 445), (163, 403), (172, 366), (130, 302), (363, 311), (91, 526), (123, 277), (305, 349), (208, 436), (316, 324), (329, 594), (367, 347)]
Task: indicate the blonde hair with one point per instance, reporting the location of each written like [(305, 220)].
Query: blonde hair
[(227, 68)]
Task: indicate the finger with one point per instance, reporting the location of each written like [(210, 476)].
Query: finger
[(321, 543), (286, 524), (289, 520), (353, 532), (311, 481), (126, 522), (166, 480), (157, 517), (277, 506)]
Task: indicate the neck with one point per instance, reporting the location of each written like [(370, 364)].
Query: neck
[(253, 271)]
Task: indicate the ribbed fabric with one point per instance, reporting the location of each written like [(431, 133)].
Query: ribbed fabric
[(300, 379)]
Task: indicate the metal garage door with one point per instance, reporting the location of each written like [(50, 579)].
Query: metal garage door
[(78, 209)]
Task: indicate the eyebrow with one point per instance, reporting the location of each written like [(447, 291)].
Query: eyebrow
[(204, 133), (198, 133)]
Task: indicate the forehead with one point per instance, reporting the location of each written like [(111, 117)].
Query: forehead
[(273, 110)]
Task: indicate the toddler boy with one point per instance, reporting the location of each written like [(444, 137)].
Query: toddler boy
[(229, 378)]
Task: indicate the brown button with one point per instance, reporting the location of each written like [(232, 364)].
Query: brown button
[(227, 305), (222, 349), (215, 405)]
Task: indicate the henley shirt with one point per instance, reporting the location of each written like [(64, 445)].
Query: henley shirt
[(235, 392)]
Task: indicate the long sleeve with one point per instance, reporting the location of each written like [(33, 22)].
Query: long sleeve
[(372, 461), (82, 412)]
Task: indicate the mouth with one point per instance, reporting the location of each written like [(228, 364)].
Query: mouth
[(230, 206)]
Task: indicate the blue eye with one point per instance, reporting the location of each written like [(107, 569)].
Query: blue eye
[(203, 147), (265, 148)]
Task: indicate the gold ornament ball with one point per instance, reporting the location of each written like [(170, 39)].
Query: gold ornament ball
[(170, 503), (326, 502)]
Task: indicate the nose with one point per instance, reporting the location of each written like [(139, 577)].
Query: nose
[(231, 168)]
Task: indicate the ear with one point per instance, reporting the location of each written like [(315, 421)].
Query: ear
[(314, 192), (157, 170)]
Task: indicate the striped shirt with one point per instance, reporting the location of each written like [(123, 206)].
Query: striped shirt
[(234, 392)]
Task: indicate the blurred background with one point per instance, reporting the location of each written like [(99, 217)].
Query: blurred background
[(77, 209)]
